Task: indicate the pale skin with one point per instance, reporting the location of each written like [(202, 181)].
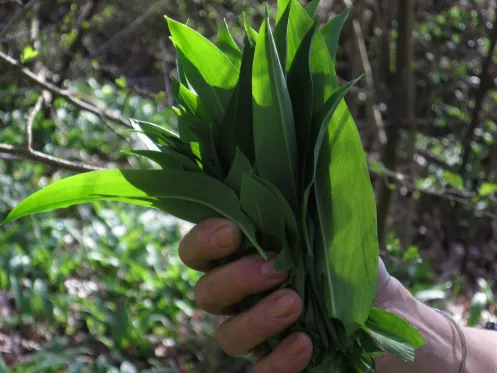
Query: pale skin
[(221, 287)]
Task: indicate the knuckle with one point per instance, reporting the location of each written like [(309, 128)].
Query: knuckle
[(202, 293)]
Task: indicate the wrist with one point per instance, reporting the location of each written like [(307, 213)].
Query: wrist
[(442, 351)]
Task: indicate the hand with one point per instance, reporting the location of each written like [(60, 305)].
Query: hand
[(222, 287)]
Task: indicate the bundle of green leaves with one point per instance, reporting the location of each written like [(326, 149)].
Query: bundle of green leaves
[(266, 140)]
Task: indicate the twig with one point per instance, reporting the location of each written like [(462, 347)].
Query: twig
[(368, 71), (486, 84), (100, 111), (134, 25), (17, 16), (28, 135), (33, 155), (167, 82)]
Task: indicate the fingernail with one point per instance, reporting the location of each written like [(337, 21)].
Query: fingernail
[(224, 237), (268, 270), (297, 348), (283, 307)]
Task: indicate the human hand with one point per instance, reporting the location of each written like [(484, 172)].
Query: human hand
[(222, 287)]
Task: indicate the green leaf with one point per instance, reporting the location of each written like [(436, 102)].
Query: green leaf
[(274, 129), (331, 32), (207, 69), (189, 100), (281, 33), (393, 334), (312, 7), (263, 208), (487, 189), (168, 158), (227, 45), (299, 25), (282, 7), (28, 53), (241, 165), (322, 121), (251, 34), (237, 127), (164, 189)]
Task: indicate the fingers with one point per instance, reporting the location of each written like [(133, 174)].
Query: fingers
[(208, 241), (242, 333), (291, 356), (217, 291)]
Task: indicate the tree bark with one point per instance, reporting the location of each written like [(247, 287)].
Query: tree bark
[(401, 107)]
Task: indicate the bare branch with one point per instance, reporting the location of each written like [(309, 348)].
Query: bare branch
[(36, 156), (134, 25), (486, 84), (17, 16), (56, 91), (368, 71), (28, 135)]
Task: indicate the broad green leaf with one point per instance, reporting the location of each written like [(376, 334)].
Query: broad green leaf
[(249, 30), (241, 165), (301, 93), (312, 7), (141, 187), (381, 319), (322, 121), (281, 34), (285, 260), (227, 45), (168, 158), (263, 208), (300, 23), (237, 126), (189, 100), (331, 32), (207, 69), (274, 129), (281, 9), (324, 78)]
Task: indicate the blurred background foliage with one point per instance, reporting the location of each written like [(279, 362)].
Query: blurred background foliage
[(100, 288)]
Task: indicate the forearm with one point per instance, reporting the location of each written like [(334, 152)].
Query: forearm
[(443, 349)]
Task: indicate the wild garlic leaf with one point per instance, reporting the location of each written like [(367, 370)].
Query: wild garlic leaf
[(168, 158), (208, 70), (241, 165), (227, 45), (143, 187), (143, 137), (263, 208), (281, 35), (249, 30), (274, 128), (331, 32), (380, 319), (189, 100), (312, 8), (237, 125), (300, 87), (282, 7), (298, 27)]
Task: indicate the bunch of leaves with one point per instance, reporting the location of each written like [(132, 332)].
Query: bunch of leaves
[(267, 141)]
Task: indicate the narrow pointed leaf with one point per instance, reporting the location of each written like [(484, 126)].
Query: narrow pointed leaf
[(142, 187), (189, 100), (250, 32), (263, 208), (299, 24), (274, 129), (331, 32), (280, 35), (241, 165), (312, 8), (227, 45), (281, 9), (237, 126), (168, 158), (207, 69)]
